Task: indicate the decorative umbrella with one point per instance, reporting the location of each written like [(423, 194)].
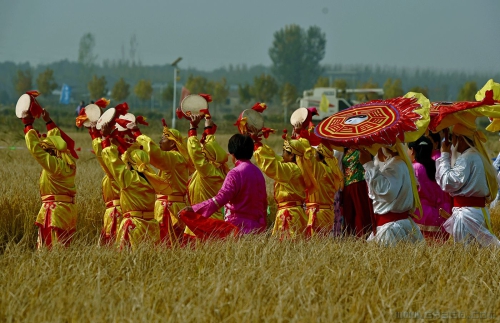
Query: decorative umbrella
[(378, 122), (446, 114)]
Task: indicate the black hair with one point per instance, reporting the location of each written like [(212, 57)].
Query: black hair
[(423, 152), (436, 137), (241, 146)]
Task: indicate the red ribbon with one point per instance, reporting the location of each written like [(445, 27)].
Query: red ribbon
[(286, 218), (310, 227), (127, 227)]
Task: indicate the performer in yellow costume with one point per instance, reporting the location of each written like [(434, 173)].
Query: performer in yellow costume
[(289, 188), (329, 180), (110, 195), (137, 195), (209, 160), (171, 158), (56, 219)]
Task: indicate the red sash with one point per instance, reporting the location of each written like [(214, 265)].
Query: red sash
[(463, 201), (382, 219)]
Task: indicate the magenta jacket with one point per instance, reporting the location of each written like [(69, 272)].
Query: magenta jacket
[(244, 196)]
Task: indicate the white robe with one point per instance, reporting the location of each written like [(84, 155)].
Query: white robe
[(389, 187), (466, 178)]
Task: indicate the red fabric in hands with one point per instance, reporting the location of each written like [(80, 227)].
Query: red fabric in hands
[(206, 228)]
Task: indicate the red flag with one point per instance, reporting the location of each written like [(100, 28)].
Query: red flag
[(70, 143), (184, 92)]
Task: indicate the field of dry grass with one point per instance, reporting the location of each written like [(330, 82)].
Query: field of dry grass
[(252, 279)]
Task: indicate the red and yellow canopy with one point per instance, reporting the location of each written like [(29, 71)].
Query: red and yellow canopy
[(378, 122)]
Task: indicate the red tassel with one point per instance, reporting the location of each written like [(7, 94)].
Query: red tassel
[(207, 97), (267, 131), (141, 120), (285, 132), (122, 109), (163, 122), (102, 103), (259, 107), (313, 111), (33, 93), (179, 113)]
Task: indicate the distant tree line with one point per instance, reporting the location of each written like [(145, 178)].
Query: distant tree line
[(296, 54)]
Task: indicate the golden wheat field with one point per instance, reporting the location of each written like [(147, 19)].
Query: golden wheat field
[(252, 279)]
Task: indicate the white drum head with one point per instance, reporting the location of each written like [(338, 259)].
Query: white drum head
[(93, 113), (128, 116), (298, 117), (255, 120), (193, 104), (106, 118), (23, 106)]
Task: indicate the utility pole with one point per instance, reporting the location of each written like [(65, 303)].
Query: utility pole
[(174, 64)]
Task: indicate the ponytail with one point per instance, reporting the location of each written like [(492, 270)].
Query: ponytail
[(423, 152)]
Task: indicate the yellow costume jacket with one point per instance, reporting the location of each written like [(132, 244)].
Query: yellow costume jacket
[(57, 186), (111, 197), (137, 200), (289, 191)]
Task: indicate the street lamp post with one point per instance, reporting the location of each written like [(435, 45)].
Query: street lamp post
[(174, 64)]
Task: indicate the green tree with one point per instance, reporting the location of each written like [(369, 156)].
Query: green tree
[(220, 92), (245, 93), (322, 81), (168, 94), (143, 90), (23, 81), (422, 90), (45, 82), (121, 90), (468, 92), (393, 89), (370, 84), (86, 55), (288, 95), (296, 55), (97, 87), (341, 85), (197, 84), (264, 88)]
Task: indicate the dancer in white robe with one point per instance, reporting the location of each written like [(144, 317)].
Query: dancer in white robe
[(391, 190), (471, 181)]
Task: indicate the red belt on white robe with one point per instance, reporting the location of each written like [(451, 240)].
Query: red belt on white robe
[(464, 201), (382, 219)]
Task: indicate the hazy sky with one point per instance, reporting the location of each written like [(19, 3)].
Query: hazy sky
[(444, 34)]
